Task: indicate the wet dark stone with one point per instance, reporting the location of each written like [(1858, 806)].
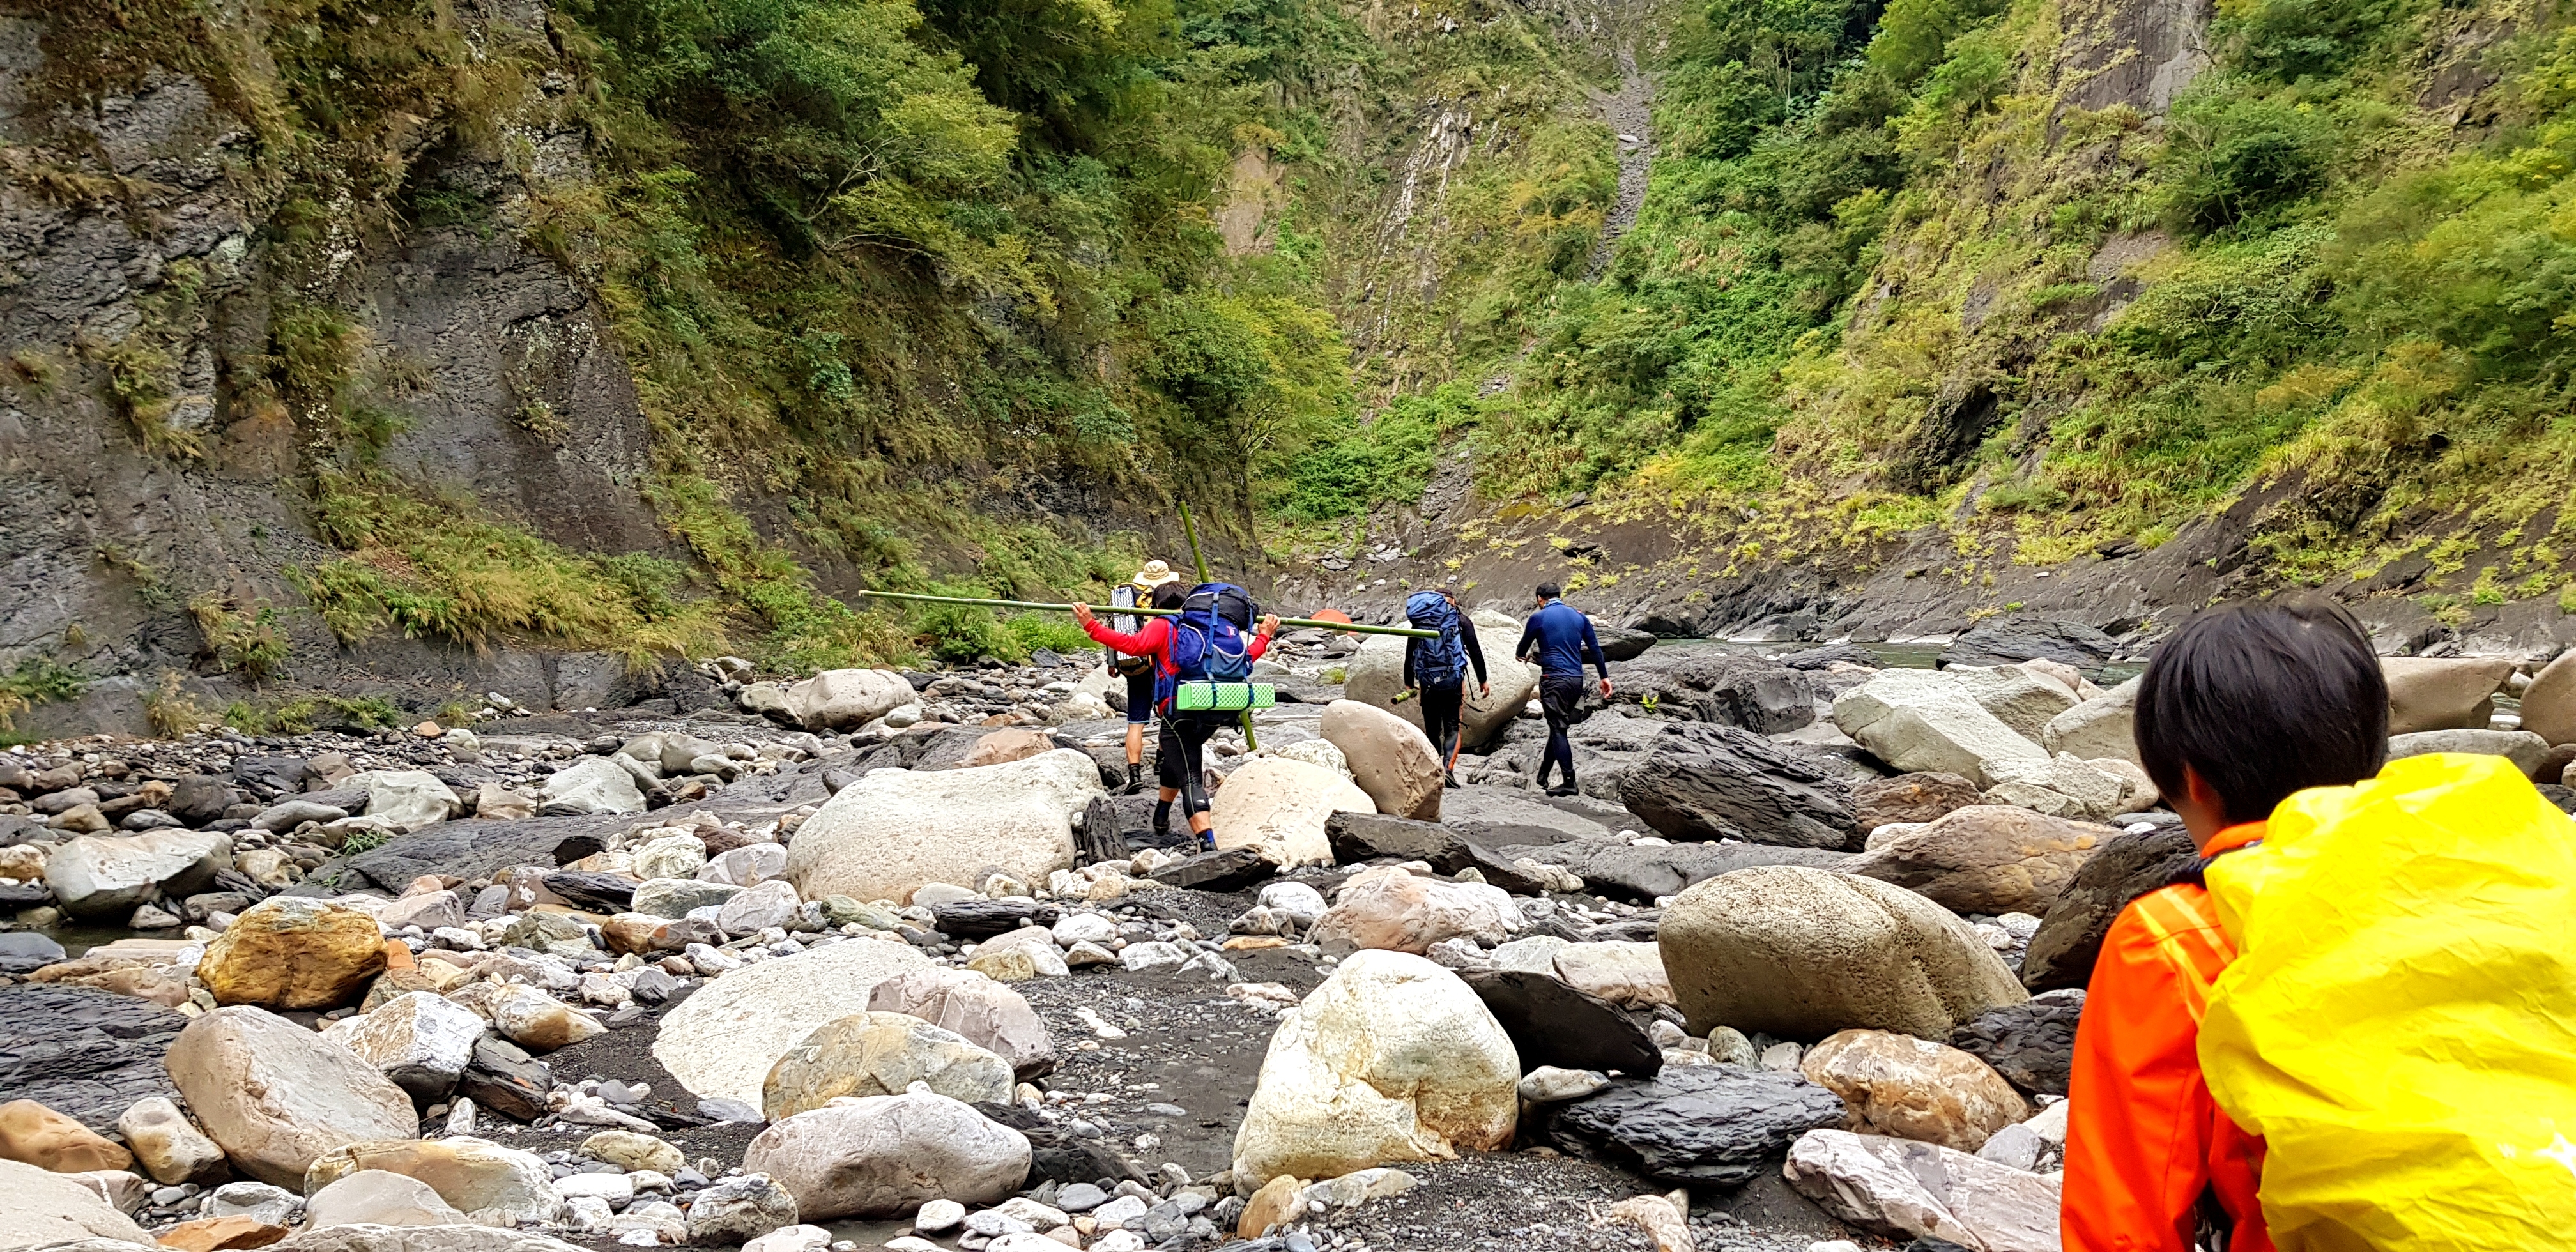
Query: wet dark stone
[(976, 919), (1700, 1125), (1230, 870), (2032, 1044), (85, 1053), (1553, 1024)]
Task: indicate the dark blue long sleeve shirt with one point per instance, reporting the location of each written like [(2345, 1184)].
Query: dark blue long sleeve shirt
[(1562, 637)]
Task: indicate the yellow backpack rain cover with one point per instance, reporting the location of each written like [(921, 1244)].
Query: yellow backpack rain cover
[(2400, 1026)]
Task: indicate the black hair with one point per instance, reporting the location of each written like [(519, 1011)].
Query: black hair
[(1549, 591), (1168, 595), (2262, 699)]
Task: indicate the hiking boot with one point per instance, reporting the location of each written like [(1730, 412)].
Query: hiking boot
[(1135, 778), (1563, 789), (1449, 778), (1207, 842)]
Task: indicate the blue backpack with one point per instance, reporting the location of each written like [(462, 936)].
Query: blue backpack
[(1442, 660), (1208, 636)]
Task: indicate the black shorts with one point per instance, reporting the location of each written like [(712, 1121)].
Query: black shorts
[(1140, 698)]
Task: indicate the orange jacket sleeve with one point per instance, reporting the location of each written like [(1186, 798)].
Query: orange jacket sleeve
[(2144, 1140)]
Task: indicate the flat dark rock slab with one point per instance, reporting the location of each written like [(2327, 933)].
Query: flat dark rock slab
[(82, 1052), (1498, 817), (1230, 870), (1554, 1024), (1619, 869), (1701, 1125)]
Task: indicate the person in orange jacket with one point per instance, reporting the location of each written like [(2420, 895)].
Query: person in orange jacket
[(2244, 705)]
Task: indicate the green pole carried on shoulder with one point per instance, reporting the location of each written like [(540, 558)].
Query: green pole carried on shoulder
[(1357, 628)]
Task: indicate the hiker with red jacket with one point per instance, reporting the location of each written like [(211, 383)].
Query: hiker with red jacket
[(1182, 649), (2243, 706)]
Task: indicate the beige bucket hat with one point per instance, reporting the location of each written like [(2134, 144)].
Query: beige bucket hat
[(1155, 574)]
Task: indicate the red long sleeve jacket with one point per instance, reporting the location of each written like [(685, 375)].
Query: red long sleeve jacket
[(1155, 640)]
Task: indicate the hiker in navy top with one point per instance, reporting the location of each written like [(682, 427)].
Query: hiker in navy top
[(1562, 637), (1437, 667)]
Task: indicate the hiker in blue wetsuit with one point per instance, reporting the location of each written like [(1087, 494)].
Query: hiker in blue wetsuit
[(1562, 637)]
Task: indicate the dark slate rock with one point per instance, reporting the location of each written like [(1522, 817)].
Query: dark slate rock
[(1625, 872), (1700, 1125), (2069, 939), (1826, 656), (1102, 837), (1230, 870), (269, 777), (85, 1053), (505, 1080), (2002, 642), (1358, 837), (474, 849), (346, 799), (25, 895), (200, 798), (600, 893), (1726, 688), (1723, 782), (25, 952), (2032, 1044), (1629, 930), (1553, 1024), (978, 919), (1056, 1154), (1497, 817), (2562, 796), (15, 830), (1619, 643)]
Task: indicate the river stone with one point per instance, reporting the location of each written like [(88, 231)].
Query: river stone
[(1374, 675), (1389, 758), (41, 1137), (476, 1176), (1730, 689), (1696, 1125), (42, 1208), (722, 1041), (675, 857), (420, 1040), (676, 898), (2102, 728), (1723, 782), (534, 1020), (593, 784), (1914, 1088), (1923, 1190), (381, 1198), (984, 1012), (293, 952), (429, 910), (83, 1051), (1644, 874), (746, 866), (1989, 859), (1630, 975), (2031, 1044), (1396, 910), (276, 1095), (168, 1146), (1553, 1024), (293, 813), (2128, 865), (1909, 799), (1494, 817), (1359, 837), (886, 1155), (2549, 703), (1392, 1059), (1278, 807), (1802, 953), (952, 825), (408, 798), (2525, 749), (93, 874), (736, 1210), (1918, 720), (368, 1237), (846, 699), (2003, 641), (873, 1054), (2442, 693), (2017, 697), (503, 1079), (772, 903)]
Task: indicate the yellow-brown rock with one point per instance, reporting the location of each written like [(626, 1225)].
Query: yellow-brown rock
[(289, 952), (1268, 1207), (1911, 1088), (220, 1234), (48, 1140)]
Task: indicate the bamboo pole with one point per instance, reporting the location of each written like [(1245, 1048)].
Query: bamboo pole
[(1190, 530), (1042, 606)]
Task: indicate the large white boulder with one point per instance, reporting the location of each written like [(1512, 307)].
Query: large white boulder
[(1375, 676), (99, 874), (419, 1039), (2442, 693), (593, 784), (1278, 807), (986, 1013), (1922, 1190), (882, 837), (887, 1155), (2017, 697), (845, 699), (2102, 728), (875, 1054), (2060, 786), (278, 1096), (476, 1176), (1388, 757), (1392, 1059), (1917, 720), (39, 1207), (723, 1040), (408, 798), (1801, 952)]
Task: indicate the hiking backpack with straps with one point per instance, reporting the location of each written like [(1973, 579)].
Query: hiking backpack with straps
[(1208, 638), (1441, 660), (2399, 1021), (1125, 596)]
